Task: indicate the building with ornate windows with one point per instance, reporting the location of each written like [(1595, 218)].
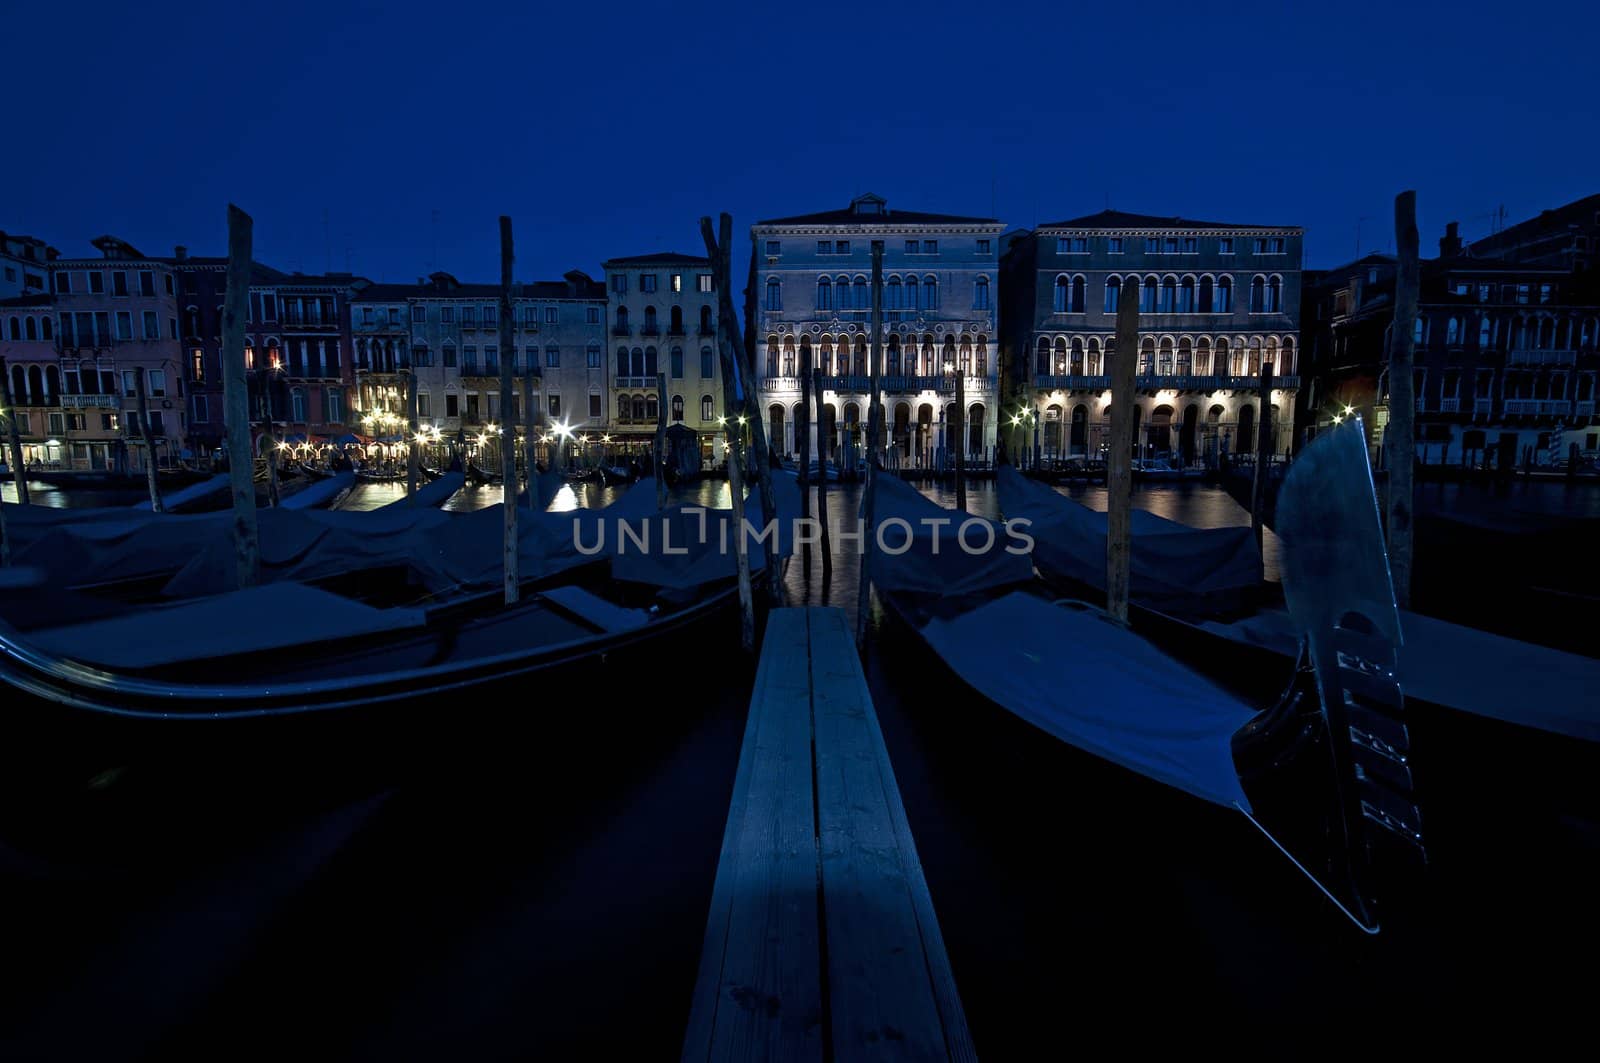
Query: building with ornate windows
[(811, 301), (447, 333), (1505, 360), (662, 313), (1217, 301)]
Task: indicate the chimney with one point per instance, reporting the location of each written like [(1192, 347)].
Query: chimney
[(1450, 243), (180, 253)]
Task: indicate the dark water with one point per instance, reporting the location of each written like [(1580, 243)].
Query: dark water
[(42, 494), (531, 880)]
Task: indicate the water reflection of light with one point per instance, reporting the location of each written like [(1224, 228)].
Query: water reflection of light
[(565, 500)]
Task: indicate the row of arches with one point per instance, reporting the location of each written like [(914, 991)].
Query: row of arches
[(910, 355), (910, 292), (30, 327), (1079, 433), (1535, 332), (644, 408), (1170, 294), (911, 431), (675, 327), (1168, 355)]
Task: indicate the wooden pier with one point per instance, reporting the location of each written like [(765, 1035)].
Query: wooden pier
[(822, 941)]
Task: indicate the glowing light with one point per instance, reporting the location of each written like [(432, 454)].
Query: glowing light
[(1337, 418), (1348, 410)]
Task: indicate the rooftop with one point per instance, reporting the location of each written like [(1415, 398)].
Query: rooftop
[(871, 209), (1121, 219), (660, 258)]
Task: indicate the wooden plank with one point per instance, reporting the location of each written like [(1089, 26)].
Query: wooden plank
[(891, 994), (758, 994)]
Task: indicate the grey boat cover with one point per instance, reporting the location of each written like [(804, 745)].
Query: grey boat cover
[(272, 617), (1100, 687), (919, 547), (429, 495), (1173, 567), (689, 546), (189, 495), (320, 493), (84, 553), (1466, 669)]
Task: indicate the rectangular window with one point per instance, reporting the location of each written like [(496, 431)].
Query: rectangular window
[(197, 366), (491, 317), (1522, 293), (647, 282), (76, 422), (469, 317), (158, 383), (1072, 245), (452, 405), (593, 315), (152, 325), (97, 282), (447, 315), (424, 404), (1545, 293), (552, 357), (1191, 245), (200, 413), (472, 406), (130, 383), (593, 356), (704, 280), (913, 247), (983, 247), (841, 247), (824, 247), (1152, 245), (147, 282), (1225, 245), (63, 283), (773, 248), (58, 423), (708, 365), (619, 282), (335, 403), (550, 315), (930, 247), (367, 313), (1271, 245), (555, 405), (108, 422), (419, 314), (1169, 246), (491, 361), (594, 404), (124, 325)]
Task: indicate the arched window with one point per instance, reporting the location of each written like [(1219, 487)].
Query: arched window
[(46, 331), (1271, 355), (706, 328), (643, 410), (16, 328), (1485, 333), (981, 354), (1419, 329), (649, 321), (912, 293), (1185, 363), (1258, 294), (774, 294), (1186, 296), (980, 294), (1275, 295), (675, 364), (1286, 367), (707, 410), (772, 356), (708, 363), (1075, 362), (1208, 290), (1063, 293), (1222, 365), (1164, 357), (30, 330), (930, 292), (893, 295), (893, 356), (863, 300), (1041, 360), (1169, 295), (677, 407), (624, 409), (622, 361), (650, 362), (1452, 331), (1147, 296), (636, 362), (1147, 355), (622, 319), (824, 294), (1094, 366), (676, 322), (1254, 367), (788, 356), (1078, 288), (1224, 303), (1113, 292), (1059, 362), (1202, 357)]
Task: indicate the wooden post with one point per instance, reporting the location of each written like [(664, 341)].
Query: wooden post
[(1119, 469), (732, 406), (961, 437), (802, 425), (740, 386), (822, 481), (874, 450), (530, 425), (236, 400), (414, 446), (1399, 437), (151, 480), (13, 437), (508, 430), (1258, 489), (658, 458)]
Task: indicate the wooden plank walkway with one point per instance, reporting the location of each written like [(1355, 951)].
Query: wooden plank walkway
[(822, 941)]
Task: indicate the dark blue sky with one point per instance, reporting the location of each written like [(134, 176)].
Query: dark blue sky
[(609, 128)]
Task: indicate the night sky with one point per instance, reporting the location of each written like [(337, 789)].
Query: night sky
[(608, 128)]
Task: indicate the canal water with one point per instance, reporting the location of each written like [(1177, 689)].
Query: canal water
[(540, 891)]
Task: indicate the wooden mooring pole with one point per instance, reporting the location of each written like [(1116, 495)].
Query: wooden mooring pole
[(1399, 436), (822, 480), (732, 420), (658, 457), (874, 468), (508, 430), (1119, 468), (151, 479), (413, 444), (802, 427), (236, 400), (13, 437), (1264, 432), (961, 437)]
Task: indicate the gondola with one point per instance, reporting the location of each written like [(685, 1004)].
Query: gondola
[(1323, 770), (1200, 593), (380, 476), (617, 475), (325, 654), (479, 476), (316, 473)]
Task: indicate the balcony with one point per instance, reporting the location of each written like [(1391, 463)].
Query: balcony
[(621, 330), (634, 382), (1538, 407), (89, 402), (1531, 357), (1583, 408), (649, 330), (1452, 405), (887, 385)]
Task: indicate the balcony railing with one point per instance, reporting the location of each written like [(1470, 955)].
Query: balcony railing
[(1583, 408), (650, 330), (634, 382), (1538, 407), (621, 330), (1532, 357), (898, 384), (1153, 381), (1451, 405), (82, 402)]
